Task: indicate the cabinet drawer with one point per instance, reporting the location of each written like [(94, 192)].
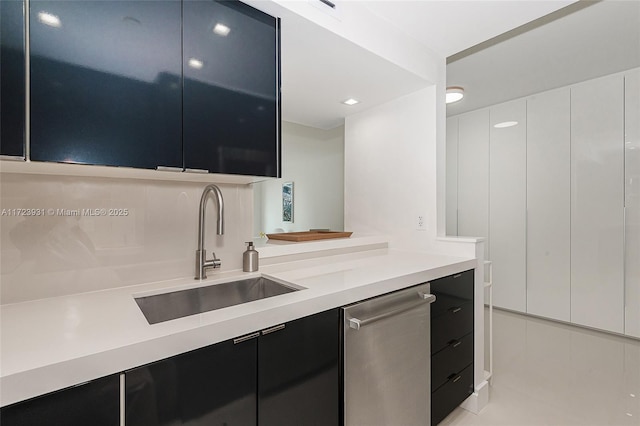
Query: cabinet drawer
[(451, 394), (455, 357), (453, 324), (451, 291)]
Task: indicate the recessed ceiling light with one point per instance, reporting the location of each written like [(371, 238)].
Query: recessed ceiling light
[(505, 124), (351, 102), (221, 29), (196, 63), (49, 19), (454, 94)]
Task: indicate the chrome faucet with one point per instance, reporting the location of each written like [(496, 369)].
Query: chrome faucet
[(202, 264)]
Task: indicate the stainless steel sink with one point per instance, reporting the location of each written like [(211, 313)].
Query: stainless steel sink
[(178, 304)]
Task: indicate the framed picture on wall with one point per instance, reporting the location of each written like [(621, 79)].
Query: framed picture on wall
[(287, 202)]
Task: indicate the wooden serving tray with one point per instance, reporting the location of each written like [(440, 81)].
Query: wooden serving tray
[(308, 235)]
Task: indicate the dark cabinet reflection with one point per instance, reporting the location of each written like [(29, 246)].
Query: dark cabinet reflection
[(230, 89), (12, 78), (105, 82), (190, 84)]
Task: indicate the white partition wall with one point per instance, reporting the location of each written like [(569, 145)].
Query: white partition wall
[(473, 174), (507, 204), (632, 203), (549, 205), (452, 176), (597, 197)]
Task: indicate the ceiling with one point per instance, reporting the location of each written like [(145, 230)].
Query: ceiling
[(449, 27), (581, 42), (321, 69)]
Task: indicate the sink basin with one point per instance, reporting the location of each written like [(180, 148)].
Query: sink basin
[(178, 304)]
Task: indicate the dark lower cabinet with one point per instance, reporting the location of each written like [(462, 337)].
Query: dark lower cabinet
[(96, 403), (285, 375), (446, 398), (12, 78), (299, 372), (451, 343), (215, 385)]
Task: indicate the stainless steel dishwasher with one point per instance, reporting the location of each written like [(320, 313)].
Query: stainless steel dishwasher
[(387, 367)]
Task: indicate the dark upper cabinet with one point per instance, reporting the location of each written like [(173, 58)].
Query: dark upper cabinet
[(12, 78), (231, 108), (215, 385), (299, 372), (95, 403), (106, 82)]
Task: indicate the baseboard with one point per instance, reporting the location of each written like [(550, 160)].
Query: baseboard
[(478, 399)]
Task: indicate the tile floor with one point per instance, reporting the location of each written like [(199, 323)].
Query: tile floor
[(546, 373)]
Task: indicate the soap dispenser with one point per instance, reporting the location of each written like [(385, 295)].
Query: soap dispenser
[(250, 258)]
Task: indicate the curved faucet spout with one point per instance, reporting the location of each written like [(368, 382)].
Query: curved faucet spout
[(202, 264)]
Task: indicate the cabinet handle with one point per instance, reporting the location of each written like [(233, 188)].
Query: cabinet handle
[(169, 169), (457, 378), (245, 338), (456, 344), (196, 171), (457, 276), (455, 310), (11, 158), (273, 329)]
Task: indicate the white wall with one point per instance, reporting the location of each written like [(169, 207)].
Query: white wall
[(52, 255), (390, 170), (313, 159)]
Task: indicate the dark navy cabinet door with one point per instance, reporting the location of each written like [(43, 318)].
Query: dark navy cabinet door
[(12, 78), (106, 85), (95, 403), (231, 88), (215, 385), (299, 373)]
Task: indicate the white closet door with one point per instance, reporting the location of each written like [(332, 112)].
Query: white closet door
[(452, 176), (597, 197), (549, 205), (473, 174), (507, 205), (632, 203)]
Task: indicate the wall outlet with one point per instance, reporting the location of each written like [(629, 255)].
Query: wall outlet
[(421, 223)]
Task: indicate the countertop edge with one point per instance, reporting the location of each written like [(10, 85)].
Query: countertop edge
[(30, 383)]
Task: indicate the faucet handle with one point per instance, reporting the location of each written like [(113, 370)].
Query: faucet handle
[(202, 264), (215, 262)]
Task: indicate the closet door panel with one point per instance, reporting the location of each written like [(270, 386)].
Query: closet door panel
[(549, 205), (473, 175), (597, 198), (632, 203), (507, 205), (452, 176)]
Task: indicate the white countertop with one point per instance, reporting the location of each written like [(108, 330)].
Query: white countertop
[(54, 343)]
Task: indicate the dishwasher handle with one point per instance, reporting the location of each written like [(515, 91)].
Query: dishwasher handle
[(356, 323)]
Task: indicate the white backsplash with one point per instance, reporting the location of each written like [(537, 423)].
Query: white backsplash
[(153, 239)]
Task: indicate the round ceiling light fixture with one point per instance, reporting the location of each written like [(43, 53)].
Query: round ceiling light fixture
[(454, 94)]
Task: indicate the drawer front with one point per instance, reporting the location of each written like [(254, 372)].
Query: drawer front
[(451, 291), (451, 360), (456, 322), (450, 395)]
